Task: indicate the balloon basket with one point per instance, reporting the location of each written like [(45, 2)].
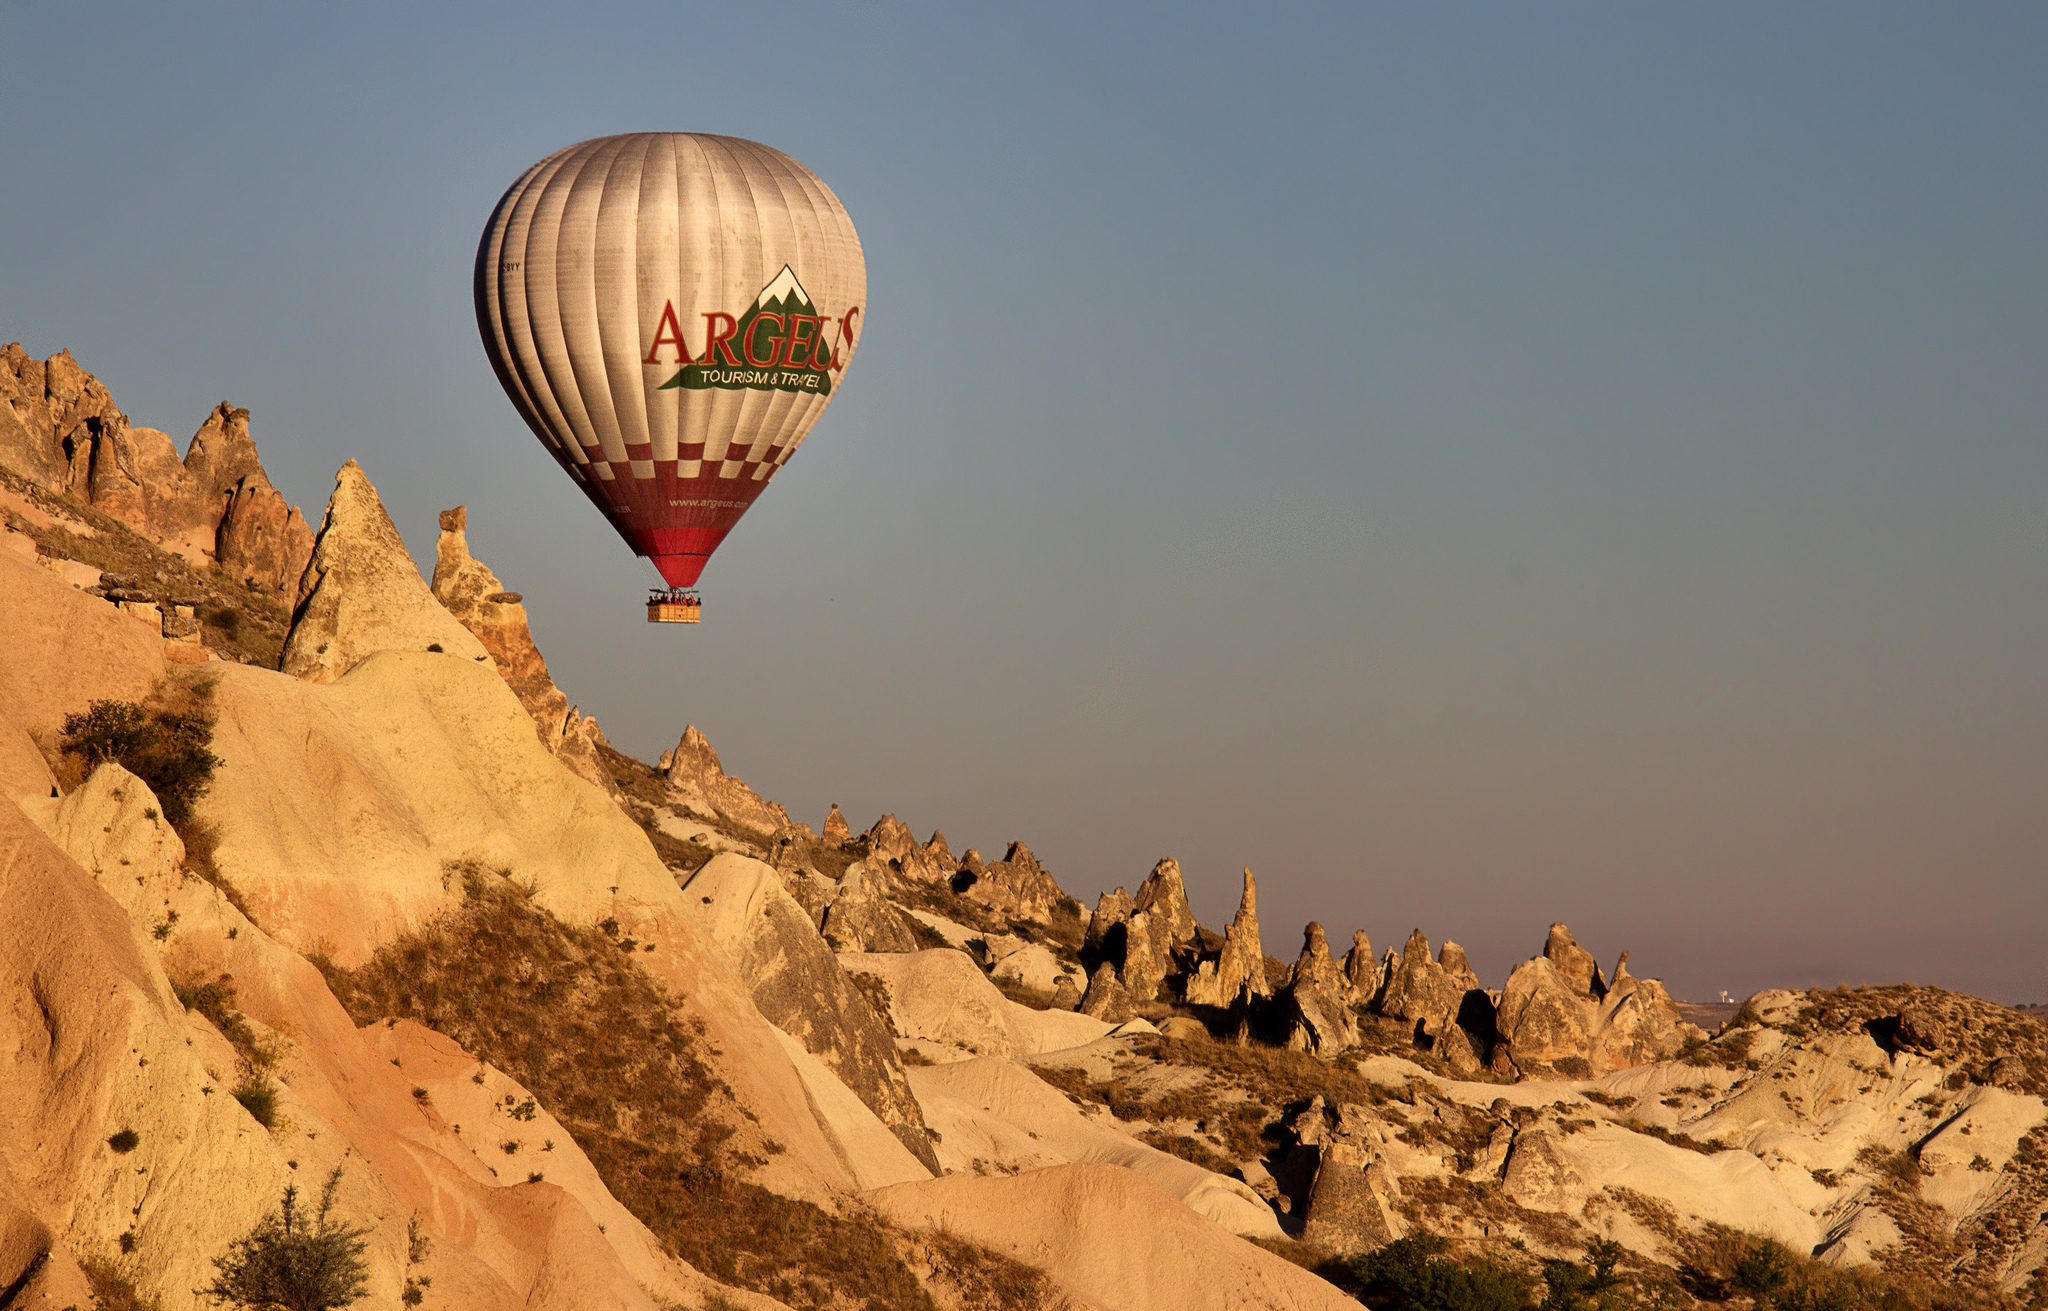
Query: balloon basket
[(676, 607)]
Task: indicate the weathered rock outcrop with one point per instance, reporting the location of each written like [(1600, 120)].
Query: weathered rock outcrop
[(1442, 999), (860, 918), (798, 985), (1241, 968), (1106, 999), (467, 589), (1111, 910), (836, 832), (1313, 1009), (1354, 1196), (1016, 884), (695, 778), (1361, 972), (60, 429), (1557, 1016), (362, 593)]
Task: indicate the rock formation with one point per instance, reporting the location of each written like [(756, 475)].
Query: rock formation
[(1111, 910), (1361, 973), (1433, 996), (696, 779), (860, 918), (1558, 1016), (362, 594), (1106, 999), (800, 988), (1240, 970), (60, 429), (835, 832), (1016, 885), (1313, 1011), (467, 588)]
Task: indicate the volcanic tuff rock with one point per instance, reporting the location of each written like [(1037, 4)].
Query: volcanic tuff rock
[(1556, 1015), (695, 778), (1106, 999), (362, 593), (800, 988), (60, 429), (1241, 968), (472, 593), (1016, 884), (1435, 996), (1111, 909), (1313, 1009), (1360, 971), (835, 832), (860, 918)]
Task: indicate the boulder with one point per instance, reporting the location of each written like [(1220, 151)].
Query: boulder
[(1066, 996), (1538, 1176), (467, 588), (362, 593), (694, 774), (1313, 1011), (799, 987), (890, 839), (1919, 1030), (1545, 1022), (1564, 1019)]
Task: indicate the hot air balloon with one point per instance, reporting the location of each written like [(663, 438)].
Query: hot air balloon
[(670, 312)]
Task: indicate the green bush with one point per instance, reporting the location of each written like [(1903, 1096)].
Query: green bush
[(258, 1096), (124, 1141), (290, 1263), (165, 747), (1412, 1274)]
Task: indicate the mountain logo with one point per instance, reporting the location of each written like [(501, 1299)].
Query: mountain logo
[(779, 344)]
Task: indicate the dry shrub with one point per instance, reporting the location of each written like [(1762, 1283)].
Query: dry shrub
[(608, 1053)]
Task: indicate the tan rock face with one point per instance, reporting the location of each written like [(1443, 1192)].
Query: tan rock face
[(836, 830), (1435, 996), (1313, 1007), (1564, 1019), (695, 777), (467, 588), (1111, 909), (1017, 884), (799, 987), (860, 918), (1360, 971), (60, 429), (362, 594), (1241, 969)]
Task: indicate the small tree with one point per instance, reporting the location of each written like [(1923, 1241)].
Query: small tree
[(288, 1263)]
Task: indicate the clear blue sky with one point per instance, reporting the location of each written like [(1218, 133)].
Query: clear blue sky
[(1475, 465)]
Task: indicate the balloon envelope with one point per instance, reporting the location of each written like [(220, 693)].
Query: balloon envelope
[(670, 312)]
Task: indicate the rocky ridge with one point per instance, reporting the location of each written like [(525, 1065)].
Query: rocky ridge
[(831, 1041)]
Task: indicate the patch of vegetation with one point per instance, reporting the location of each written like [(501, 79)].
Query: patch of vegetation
[(1661, 1134), (112, 1289), (294, 1262), (1274, 1076), (125, 1141), (1609, 1100), (1720, 1264), (1414, 1274), (575, 1020), (163, 742), (1192, 1150)]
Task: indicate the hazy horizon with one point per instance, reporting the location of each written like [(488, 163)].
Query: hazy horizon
[(1474, 467)]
